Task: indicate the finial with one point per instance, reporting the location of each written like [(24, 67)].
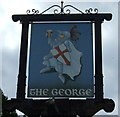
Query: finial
[(62, 2), (62, 11)]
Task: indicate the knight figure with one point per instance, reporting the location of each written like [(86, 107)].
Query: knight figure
[(63, 56)]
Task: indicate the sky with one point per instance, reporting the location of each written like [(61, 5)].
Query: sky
[(10, 37)]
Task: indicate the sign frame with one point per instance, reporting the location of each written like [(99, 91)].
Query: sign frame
[(97, 19)]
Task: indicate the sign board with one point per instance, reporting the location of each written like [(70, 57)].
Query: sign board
[(61, 60)]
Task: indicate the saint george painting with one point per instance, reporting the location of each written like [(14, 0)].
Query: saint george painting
[(61, 60)]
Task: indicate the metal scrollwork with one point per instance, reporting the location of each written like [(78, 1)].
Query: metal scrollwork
[(90, 10), (63, 10), (73, 8), (33, 11), (96, 10), (56, 11), (28, 11), (68, 11)]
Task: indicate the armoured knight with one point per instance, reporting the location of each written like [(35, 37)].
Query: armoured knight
[(63, 56)]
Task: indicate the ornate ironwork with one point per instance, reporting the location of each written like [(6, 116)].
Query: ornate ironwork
[(62, 10), (33, 11), (90, 10)]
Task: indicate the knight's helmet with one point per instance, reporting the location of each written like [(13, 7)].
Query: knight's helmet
[(63, 35), (57, 36)]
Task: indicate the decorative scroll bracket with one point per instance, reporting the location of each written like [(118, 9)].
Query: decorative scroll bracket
[(62, 10)]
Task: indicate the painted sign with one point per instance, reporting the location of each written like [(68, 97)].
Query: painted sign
[(61, 60)]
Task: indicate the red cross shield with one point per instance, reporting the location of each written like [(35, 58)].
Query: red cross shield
[(61, 53)]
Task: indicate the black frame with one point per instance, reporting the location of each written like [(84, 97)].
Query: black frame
[(97, 19), (61, 107)]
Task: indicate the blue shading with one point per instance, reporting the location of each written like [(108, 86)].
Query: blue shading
[(39, 48)]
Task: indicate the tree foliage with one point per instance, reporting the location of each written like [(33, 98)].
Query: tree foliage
[(4, 112)]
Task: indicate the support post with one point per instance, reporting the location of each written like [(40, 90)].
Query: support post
[(23, 61), (98, 61)]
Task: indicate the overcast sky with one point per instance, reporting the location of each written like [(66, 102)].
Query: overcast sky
[(10, 37)]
